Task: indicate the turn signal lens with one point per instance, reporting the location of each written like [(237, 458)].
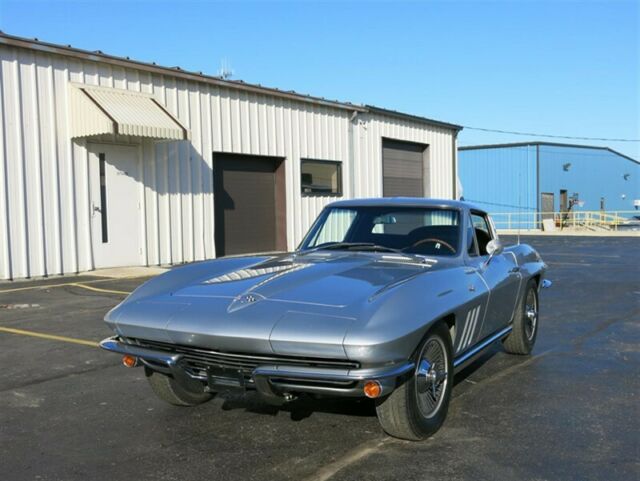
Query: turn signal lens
[(129, 361), (372, 389)]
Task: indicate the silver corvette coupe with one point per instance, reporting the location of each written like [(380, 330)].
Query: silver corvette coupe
[(384, 298)]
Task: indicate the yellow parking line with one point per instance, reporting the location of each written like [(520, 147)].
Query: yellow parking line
[(48, 286), (48, 336), (97, 289)]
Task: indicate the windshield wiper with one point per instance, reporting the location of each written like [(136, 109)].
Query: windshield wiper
[(363, 246), (367, 246)]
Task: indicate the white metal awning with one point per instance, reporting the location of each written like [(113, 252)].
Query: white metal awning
[(101, 110)]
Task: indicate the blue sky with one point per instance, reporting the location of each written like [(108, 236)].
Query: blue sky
[(560, 67)]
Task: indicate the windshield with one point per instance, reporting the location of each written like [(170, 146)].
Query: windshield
[(414, 230)]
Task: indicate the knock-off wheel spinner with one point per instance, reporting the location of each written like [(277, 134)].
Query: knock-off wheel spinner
[(431, 377), (531, 314)]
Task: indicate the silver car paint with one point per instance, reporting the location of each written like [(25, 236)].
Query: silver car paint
[(369, 307)]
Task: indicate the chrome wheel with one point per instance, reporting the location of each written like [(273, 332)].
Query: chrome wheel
[(431, 377), (531, 314)]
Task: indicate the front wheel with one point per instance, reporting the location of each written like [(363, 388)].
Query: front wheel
[(416, 409), (525, 322)]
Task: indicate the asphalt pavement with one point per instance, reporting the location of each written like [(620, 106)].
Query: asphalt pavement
[(570, 411)]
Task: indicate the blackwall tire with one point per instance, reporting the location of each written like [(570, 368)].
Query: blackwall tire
[(411, 411), (525, 322), (170, 391)]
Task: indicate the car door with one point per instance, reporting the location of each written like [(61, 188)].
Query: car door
[(471, 314), (501, 275)]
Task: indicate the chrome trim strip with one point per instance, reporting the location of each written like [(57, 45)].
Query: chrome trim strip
[(482, 345), (113, 345), (170, 362), (332, 375)]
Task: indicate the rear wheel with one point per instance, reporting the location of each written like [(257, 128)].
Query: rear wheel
[(525, 322), (416, 409), (169, 390)]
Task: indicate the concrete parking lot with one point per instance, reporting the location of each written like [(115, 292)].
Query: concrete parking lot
[(570, 411)]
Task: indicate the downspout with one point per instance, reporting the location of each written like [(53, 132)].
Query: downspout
[(353, 120), (454, 160)]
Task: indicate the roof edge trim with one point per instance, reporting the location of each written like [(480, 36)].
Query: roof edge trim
[(415, 118), (552, 144)]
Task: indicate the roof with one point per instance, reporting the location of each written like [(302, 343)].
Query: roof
[(552, 144), (99, 56), (126, 62), (405, 202)]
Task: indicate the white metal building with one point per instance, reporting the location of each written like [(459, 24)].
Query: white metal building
[(107, 161)]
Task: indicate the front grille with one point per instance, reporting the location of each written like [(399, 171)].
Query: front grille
[(199, 359)]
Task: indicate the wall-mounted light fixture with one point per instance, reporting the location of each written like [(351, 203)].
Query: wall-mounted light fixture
[(566, 166)]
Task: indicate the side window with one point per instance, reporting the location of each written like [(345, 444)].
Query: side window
[(482, 230), (472, 247)]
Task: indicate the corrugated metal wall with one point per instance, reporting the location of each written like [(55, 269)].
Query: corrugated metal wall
[(505, 179), (593, 174), (44, 175), (502, 180)]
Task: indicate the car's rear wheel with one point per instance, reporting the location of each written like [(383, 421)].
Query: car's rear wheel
[(525, 322), (169, 390), (417, 408)]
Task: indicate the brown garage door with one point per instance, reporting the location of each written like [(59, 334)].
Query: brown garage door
[(403, 169), (249, 204)]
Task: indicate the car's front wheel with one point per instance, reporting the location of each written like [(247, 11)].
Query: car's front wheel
[(417, 408), (171, 391)]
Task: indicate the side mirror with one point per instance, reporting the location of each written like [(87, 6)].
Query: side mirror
[(494, 248)]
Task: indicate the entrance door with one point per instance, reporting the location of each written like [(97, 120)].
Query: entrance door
[(249, 204), (502, 276), (115, 208), (548, 206)]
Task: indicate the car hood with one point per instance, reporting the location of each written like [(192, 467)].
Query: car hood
[(334, 280), (288, 304)]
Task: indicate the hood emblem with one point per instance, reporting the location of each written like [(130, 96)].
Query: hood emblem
[(248, 298), (244, 300)]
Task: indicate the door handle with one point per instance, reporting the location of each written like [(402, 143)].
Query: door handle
[(94, 209), (514, 270)]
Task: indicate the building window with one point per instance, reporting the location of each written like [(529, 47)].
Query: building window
[(321, 177)]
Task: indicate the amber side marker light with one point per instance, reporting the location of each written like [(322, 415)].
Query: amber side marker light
[(129, 361), (372, 389)]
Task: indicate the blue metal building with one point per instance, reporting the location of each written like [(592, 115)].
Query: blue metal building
[(521, 180)]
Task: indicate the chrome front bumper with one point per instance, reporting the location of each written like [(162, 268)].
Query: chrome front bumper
[(273, 381)]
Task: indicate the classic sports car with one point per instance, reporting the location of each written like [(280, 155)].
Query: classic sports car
[(384, 298)]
